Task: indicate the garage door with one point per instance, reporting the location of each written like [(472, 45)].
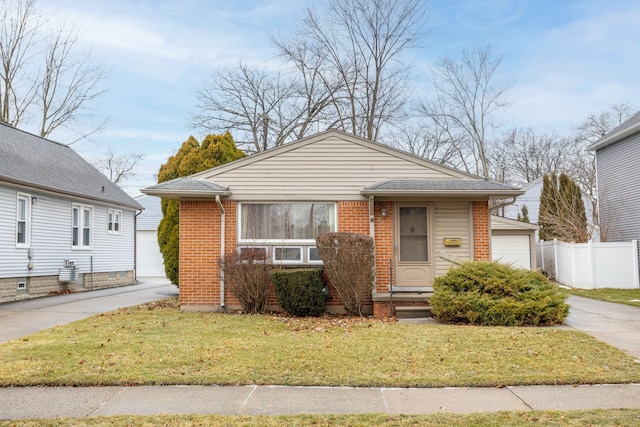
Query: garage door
[(149, 258), (512, 249)]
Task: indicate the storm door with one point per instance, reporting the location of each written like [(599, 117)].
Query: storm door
[(412, 245)]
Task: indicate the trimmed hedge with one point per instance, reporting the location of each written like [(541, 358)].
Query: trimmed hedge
[(495, 294), (300, 292)]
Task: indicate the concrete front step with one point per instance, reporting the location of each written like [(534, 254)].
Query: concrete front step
[(413, 312)]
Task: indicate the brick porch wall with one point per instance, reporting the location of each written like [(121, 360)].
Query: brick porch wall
[(384, 244), (199, 254), (481, 231)]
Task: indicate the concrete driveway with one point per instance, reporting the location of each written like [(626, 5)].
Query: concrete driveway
[(615, 324), (21, 318)]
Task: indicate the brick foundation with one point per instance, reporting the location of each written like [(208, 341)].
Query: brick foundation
[(40, 286)]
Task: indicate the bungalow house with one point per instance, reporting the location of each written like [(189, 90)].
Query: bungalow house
[(63, 224), (618, 181), (423, 216)]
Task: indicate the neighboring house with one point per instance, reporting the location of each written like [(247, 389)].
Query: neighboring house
[(422, 215), (530, 199), (149, 260), (618, 181), (63, 224), (513, 242)]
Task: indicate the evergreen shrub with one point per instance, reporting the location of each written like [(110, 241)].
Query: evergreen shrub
[(495, 294), (300, 292)]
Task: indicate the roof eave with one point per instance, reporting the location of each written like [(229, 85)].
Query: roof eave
[(606, 141), (439, 193), (70, 193), (184, 194)]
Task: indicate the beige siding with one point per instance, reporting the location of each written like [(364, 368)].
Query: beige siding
[(329, 169), (452, 219)]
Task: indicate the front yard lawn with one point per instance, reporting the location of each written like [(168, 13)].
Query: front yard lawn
[(157, 344), (603, 417), (621, 296)]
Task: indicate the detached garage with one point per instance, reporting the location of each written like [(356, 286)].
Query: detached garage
[(513, 242), (148, 257)]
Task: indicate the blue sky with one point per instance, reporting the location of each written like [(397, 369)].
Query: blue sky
[(566, 58)]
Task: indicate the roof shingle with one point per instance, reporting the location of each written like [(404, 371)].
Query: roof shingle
[(36, 162)]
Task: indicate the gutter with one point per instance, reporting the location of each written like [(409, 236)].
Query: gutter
[(222, 248)]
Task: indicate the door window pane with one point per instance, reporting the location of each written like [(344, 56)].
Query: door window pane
[(413, 234)]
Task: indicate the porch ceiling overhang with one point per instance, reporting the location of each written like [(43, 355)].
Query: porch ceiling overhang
[(186, 188), (448, 188)]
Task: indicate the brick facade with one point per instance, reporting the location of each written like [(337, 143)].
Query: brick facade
[(200, 248), (481, 231), (199, 254)]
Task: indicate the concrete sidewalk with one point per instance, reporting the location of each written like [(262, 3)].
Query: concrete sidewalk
[(22, 318), (17, 403)]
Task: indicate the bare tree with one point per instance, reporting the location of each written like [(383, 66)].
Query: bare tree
[(70, 81), (526, 155), (43, 74), (361, 43), (266, 109), (248, 100), (423, 141), (118, 167), (467, 96), (18, 31)]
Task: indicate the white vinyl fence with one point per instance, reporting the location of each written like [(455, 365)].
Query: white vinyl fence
[(590, 265)]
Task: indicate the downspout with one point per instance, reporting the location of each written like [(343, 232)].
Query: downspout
[(222, 249), (135, 250)]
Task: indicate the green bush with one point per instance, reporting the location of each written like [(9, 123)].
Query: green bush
[(349, 266), (491, 293), (300, 292)]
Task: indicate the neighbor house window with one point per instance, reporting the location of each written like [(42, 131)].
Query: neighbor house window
[(288, 230), (23, 220), (82, 222), (113, 221)]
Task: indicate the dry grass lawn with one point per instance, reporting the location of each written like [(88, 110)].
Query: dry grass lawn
[(609, 417), (157, 344)]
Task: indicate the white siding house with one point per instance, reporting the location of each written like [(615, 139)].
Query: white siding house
[(63, 225), (618, 180)]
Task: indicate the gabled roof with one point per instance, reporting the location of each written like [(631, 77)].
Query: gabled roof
[(502, 223), (627, 128), (454, 173), (300, 168), (39, 163), (459, 187)]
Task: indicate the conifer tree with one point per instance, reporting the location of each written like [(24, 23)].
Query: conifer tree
[(523, 215), (562, 213), (192, 157)]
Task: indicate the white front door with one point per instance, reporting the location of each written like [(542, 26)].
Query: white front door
[(412, 245)]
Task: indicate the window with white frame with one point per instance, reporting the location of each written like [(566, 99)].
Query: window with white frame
[(23, 220), (287, 230), (113, 221), (82, 224)]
